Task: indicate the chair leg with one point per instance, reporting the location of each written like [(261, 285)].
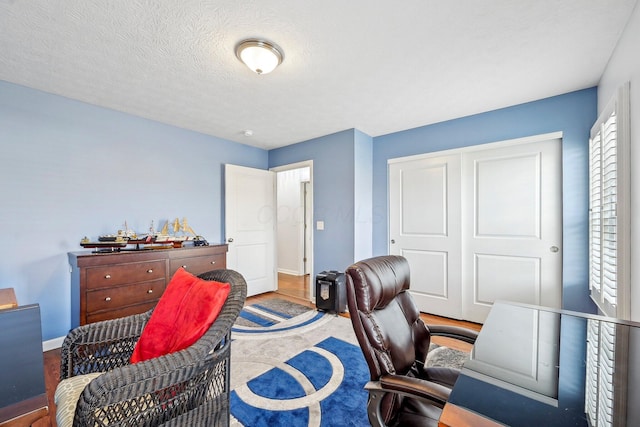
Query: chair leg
[(373, 408)]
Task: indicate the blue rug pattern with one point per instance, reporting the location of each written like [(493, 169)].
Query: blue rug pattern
[(281, 316), (261, 321), (322, 385)]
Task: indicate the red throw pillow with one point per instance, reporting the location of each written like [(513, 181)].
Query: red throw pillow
[(184, 313)]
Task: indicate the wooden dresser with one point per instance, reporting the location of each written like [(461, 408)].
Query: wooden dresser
[(110, 285)]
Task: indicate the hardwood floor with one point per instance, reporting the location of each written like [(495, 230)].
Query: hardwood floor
[(291, 288), (297, 289), (295, 286), (51, 379)]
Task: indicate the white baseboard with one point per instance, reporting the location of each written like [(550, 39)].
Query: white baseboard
[(52, 344)]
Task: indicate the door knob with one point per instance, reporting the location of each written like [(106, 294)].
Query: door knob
[(393, 241), (230, 240), (554, 249)]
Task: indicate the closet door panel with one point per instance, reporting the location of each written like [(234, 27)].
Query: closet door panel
[(518, 279), (512, 222), (424, 214)]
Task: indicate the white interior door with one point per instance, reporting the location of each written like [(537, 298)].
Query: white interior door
[(480, 224), (424, 214), (307, 227), (250, 219), (512, 204)]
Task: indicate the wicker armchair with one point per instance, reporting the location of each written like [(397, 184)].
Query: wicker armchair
[(185, 388)]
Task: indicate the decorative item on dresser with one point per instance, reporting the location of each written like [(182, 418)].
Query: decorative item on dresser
[(111, 285)]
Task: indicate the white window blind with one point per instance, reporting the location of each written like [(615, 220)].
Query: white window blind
[(591, 392), (609, 208), (607, 347)]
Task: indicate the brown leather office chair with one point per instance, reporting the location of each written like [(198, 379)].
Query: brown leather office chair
[(395, 342)]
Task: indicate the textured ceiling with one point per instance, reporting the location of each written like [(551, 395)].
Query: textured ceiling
[(375, 65)]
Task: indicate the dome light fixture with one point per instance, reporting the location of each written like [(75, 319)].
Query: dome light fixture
[(260, 56)]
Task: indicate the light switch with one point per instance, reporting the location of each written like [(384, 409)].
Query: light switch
[(320, 225)]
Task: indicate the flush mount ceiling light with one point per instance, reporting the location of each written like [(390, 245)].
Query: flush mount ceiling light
[(260, 56)]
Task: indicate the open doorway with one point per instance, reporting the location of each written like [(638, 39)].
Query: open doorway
[(294, 234)]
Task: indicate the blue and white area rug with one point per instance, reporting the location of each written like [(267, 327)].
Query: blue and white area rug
[(276, 318), (322, 386), (269, 313), (304, 371)]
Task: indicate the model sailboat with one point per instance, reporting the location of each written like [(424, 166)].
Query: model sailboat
[(115, 242), (181, 232)]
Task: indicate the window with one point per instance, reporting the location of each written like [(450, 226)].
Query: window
[(609, 239)]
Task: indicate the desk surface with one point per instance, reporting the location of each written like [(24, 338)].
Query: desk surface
[(25, 413), (534, 366)]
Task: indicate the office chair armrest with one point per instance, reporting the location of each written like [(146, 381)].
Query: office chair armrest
[(432, 393), (455, 332), (415, 387)]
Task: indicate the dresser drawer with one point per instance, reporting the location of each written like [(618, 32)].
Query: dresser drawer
[(108, 286), (118, 274), (120, 312), (198, 265), (120, 296)]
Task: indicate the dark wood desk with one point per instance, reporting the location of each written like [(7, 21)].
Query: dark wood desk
[(533, 366), (23, 398), (25, 413), (456, 416)]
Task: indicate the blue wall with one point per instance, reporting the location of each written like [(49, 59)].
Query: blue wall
[(70, 169), (572, 113), (333, 194)]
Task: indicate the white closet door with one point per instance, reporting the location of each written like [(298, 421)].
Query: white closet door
[(424, 212), (512, 222), (478, 225)]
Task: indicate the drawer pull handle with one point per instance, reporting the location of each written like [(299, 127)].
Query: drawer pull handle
[(150, 270), (150, 291), (108, 276), (184, 266), (107, 299), (213, 262)]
